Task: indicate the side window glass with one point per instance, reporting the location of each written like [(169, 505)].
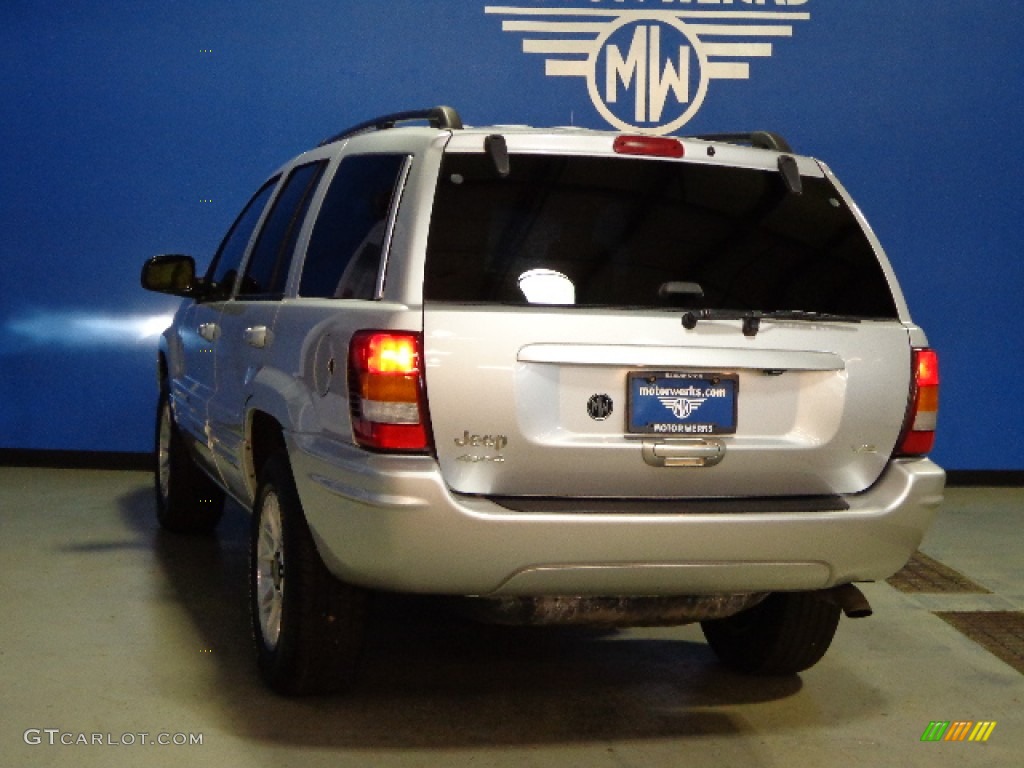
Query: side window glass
[(224, 267), (343, 257), (267, 270)]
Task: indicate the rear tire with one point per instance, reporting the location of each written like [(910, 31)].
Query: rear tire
[(309, 626), (785, 634), (187, 501)]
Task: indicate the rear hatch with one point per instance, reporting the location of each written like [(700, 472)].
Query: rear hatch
[(601, 325)]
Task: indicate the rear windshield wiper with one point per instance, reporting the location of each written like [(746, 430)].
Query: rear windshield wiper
[(752, 318)]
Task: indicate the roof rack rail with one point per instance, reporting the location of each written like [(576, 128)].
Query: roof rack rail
[(758, 139), (436, 117)]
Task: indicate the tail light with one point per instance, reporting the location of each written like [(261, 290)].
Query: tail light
[(918, 434), (386, 394)]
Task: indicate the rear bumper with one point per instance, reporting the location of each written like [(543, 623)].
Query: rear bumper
[(390, 523)]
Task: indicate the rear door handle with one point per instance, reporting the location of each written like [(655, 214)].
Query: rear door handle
[(256, 336), (209, 331)]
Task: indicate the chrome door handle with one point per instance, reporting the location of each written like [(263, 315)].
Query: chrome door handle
[(256, 336), (209, 331)]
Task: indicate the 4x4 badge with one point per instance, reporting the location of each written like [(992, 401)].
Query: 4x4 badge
[(600, 407), (495, 442)]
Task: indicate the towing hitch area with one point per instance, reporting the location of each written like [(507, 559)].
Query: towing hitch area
[(609, 611), (639, 611)]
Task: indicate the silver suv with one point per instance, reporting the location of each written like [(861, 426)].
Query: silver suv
[(574, 376)]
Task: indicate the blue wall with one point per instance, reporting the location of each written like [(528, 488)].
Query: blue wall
[(136, 128)]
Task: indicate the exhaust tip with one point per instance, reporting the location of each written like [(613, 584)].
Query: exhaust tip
[(850, 599)]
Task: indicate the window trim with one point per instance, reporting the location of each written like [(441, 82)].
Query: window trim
[(396, 201), (273, 183), (283, 180)]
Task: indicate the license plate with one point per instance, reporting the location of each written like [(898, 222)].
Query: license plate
[(668, 403)]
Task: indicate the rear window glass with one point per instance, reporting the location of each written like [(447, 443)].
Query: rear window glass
[(620, 232)]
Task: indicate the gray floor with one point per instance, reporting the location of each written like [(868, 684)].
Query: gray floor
[(110, 627)]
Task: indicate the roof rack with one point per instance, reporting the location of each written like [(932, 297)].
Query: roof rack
[(436, 117), (758, 139)]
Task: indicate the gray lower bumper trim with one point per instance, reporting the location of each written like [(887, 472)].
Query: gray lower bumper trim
[(610, 611), (756, 505)]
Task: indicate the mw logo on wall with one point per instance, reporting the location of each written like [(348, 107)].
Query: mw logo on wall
[(650, 69)]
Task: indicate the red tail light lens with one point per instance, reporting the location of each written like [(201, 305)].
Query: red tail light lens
[(651, 146), (386, 391), (918, 436)]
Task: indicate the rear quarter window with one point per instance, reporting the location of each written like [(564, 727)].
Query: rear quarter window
[(344, 252)]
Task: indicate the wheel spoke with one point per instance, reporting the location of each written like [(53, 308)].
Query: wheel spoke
[(164, 452), (270, 569)]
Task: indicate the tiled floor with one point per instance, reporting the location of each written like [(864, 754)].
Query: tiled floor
[(120, 636), (926, 575)]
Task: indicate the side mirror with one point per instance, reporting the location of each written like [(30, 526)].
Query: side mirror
[(170, 273)]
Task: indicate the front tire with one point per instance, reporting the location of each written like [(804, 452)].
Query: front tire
[(308, 625), (187, 501), (785, 634)]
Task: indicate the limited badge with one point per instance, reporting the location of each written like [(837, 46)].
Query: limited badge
[(600, 407)]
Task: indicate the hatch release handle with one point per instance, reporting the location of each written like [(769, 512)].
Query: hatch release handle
[(684, 452)]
